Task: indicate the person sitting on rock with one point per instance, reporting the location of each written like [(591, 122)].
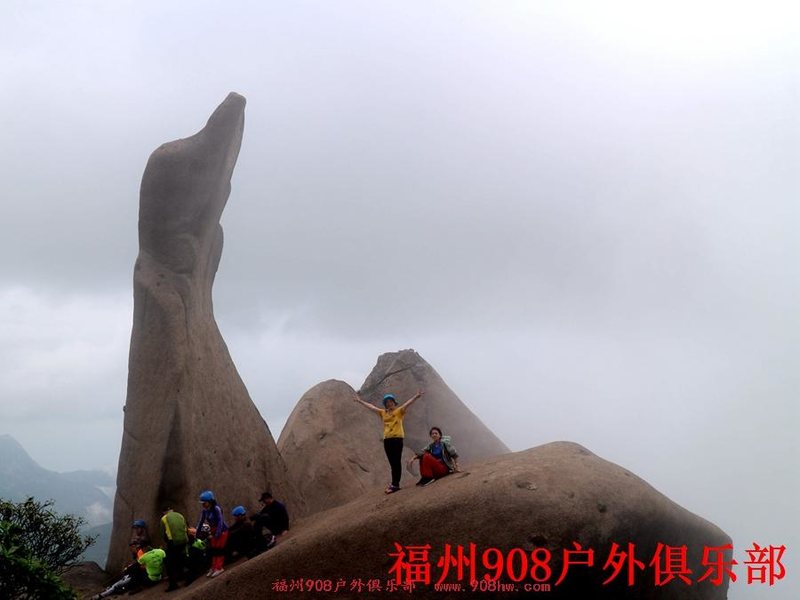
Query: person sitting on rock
[(437, 459), (140, 538), (393, 434), (241, 536), (271, 522), (153, 562), (212, 514), (144, 572)]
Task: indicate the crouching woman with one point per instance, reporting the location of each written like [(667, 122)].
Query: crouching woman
[(437, 459)]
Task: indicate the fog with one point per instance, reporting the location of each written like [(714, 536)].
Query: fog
[(583, 217)]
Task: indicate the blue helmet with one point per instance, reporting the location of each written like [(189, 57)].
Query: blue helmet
[(139, 523), (239, 511), (388, 397), (207, 496)]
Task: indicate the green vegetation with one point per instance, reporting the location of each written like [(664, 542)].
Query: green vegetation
[(36, 546)]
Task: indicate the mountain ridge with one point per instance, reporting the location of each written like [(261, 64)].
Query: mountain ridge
[(80, 493)]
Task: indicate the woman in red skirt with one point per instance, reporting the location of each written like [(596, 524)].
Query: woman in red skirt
[(437, 459)]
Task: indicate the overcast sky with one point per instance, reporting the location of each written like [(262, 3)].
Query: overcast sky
[(588, 214)]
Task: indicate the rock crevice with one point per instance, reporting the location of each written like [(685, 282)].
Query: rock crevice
[(189, 420)]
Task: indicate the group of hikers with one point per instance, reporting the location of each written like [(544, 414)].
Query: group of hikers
[(188, 551)]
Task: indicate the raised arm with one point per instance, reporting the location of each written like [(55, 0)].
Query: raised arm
[(357, 398), (413, 399)]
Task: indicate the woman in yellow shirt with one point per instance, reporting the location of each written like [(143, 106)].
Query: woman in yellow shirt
[(392, 416)]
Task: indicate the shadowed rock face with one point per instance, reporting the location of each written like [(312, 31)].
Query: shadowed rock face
[(190, 424), (546, 497), (337, 444)]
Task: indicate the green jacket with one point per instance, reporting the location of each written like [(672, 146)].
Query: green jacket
[(199, 545), (152, 561), (448, 452), (173, 526)]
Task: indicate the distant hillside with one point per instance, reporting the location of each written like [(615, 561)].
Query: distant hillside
[(88, 494), (98, 552)]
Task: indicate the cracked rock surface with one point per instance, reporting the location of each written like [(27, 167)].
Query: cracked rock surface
[(190, 424)]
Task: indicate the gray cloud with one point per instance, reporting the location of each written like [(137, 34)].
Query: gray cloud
[(585, 214)]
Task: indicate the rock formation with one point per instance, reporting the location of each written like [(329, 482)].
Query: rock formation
[(86, 578), (547, 497), (190, 424), (336, 444), (402, 374)]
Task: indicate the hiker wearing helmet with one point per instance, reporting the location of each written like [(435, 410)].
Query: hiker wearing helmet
[(212, 515), (241, 536), (392, 417), (140, 538)]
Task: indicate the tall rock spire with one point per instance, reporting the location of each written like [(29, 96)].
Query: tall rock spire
[(190, 424)]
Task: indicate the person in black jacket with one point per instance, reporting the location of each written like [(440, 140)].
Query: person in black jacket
[(271, 522)]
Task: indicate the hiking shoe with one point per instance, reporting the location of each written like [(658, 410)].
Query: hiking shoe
[(217, 572), (271, 543), (210, 572), (427, 483), (392, 489), (424, 481)]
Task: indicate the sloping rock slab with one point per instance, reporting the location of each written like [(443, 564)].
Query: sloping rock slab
[(546, 497), (86, 578)]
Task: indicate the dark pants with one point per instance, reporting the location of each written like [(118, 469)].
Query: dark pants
[(198, 563), (394, 452), (264, 522), (175, 562), (139, 578), (241, 537)]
